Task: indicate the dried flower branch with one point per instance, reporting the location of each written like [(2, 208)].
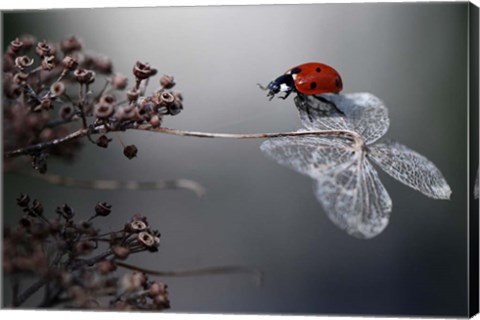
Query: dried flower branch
[(75, 262)]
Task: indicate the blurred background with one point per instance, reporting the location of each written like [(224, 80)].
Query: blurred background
[(257, 213)]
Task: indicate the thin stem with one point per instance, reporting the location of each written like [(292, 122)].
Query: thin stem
[(30, 291), (80, 106), (357, 139)]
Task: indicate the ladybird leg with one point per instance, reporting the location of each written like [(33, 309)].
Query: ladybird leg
[(325, 100), (287, 93)]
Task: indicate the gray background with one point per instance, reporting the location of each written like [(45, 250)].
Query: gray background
[(257, 213)]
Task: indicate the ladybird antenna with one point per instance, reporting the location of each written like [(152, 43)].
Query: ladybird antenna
[(262, 87)]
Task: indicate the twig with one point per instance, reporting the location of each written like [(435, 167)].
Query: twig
[(99, 184), (197, 272)]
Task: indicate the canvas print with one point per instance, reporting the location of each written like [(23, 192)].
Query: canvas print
[(268, 159)]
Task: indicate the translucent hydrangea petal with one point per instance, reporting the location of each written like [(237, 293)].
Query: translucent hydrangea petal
[(363, 113), (410, 168)]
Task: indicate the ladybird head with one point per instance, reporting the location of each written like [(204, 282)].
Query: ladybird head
[(284, 83)]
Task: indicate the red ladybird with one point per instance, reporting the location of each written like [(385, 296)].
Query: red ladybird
[(307, 78)]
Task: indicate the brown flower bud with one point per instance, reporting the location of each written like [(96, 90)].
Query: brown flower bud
[(178, 96), (48, 63), (103, 209), (119, 81), (103, 141), (167, 82), (57, 89), (102, 64), (45, 104), (143, 70), (71, 44), (23, 62), (28, 41), (84, 76), (132, 95), (66, 112), (155, 121), (25, 222), (23, 200), (65, 211), (37, 207), (69, 63), (130, 151), (127, 113), (106, 266), (161, 301), (43, 49), (121, 252), (157, 288)]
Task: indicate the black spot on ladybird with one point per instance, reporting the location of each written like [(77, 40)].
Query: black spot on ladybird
[(313, 85), (337, 82), (318, 69)]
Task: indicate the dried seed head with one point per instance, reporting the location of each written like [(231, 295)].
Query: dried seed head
[(57, 89), (103, 209), (20, 78), (146, 239), (10, 88), (65, 211), (23, 200), (103, 141), (83, 248), (69, 63), (104, 110), (130, 151), (23, 62), (84, 76), (166, 98), (121, 252), (66, 112), (43, 49), (137, 226), (167, 82), (16, 46), (143, 70), (37, 207), (127, 113), (175, 108), (119, 81), (48, 63), (71, 44)]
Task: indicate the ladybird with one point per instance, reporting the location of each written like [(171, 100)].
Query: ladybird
[(307, 78)]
